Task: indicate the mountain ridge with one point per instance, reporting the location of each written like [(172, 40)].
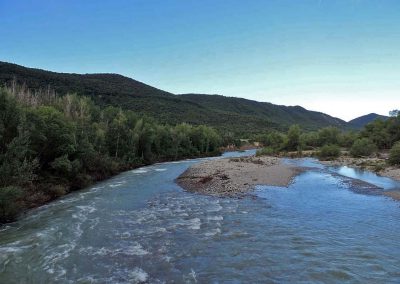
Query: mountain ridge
[(361, 121), (227, 114)]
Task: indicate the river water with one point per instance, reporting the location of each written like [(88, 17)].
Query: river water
[(141, 227)]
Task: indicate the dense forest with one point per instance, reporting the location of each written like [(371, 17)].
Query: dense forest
[(50, 145), (241, 117)]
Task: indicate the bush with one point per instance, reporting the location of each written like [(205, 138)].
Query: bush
[(62, 165), (329, 152), (394, 156), (362, 147), (293, 138), (266, 151), (56, 190), (328, 136), (9, 205), (274, 140)]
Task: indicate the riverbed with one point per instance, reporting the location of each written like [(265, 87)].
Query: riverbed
[(141, 227)]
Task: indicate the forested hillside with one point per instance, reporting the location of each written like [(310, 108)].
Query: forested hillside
[(239, 116), (361, 121)]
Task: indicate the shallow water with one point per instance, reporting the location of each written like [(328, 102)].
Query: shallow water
[(140, 226)]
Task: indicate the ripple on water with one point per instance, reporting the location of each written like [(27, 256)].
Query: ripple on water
[(213, 232), (292, 235), (215, 218), (138, 275), (135, 249), (139, 171), (194, 223), (117, 184)]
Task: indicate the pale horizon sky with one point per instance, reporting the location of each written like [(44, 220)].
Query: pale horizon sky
[(338, 57)]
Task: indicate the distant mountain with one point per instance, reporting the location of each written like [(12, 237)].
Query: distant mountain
[(236, 115), (361, 121)]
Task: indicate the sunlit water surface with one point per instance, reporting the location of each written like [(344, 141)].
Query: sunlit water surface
[(141, 227)]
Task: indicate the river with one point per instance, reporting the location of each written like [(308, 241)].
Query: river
[(141, 227)]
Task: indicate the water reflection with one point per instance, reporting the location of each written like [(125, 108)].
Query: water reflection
[(382, 182)]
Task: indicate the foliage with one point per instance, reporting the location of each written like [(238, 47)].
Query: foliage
[(309, 139), (328, 135), (273, 139), (329, 152), (240, 116), (346, 139), (293, 138), (394, 112), (362, 147), (9, 205), (394, 156), (383, 133), (360, 122), (54, 144)]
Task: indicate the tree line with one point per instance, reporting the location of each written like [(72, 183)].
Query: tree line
[(377, 136), (50, 145)]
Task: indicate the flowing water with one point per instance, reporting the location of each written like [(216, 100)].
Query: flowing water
[(141, 227)]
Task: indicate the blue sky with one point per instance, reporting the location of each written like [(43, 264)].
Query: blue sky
[(338, 57)]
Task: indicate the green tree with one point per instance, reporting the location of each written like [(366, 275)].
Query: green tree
[(10, 204), (51, 134), (362, 147), (394, 156), (310, 139), (293, 138), (10, 118), (328, 135), (329, 152)]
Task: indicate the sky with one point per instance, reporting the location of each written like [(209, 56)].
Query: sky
[(337, 57)]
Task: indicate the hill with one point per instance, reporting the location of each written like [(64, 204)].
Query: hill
[(240, 116), (361, 121)]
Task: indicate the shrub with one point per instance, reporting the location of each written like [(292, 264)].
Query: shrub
[(293, 138), (57, 190), (274, 140), (362, 147), (9, 205), (309, 140), (328, 136), (394, 156), (329, 152), (62, 165), (346, 139)]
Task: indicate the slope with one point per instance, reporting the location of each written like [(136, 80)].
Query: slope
[(227, 114)]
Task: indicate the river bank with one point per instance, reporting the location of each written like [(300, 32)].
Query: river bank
[(235, 176), (373, 164), (41, 193), (140, 226)]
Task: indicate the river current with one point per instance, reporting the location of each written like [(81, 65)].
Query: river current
[(140, 227)]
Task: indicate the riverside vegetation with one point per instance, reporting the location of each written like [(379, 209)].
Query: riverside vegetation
[(51, 145), (379, 139), (233, 177)]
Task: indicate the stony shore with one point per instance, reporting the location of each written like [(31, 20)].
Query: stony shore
[(235, 176), (377, 165)]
